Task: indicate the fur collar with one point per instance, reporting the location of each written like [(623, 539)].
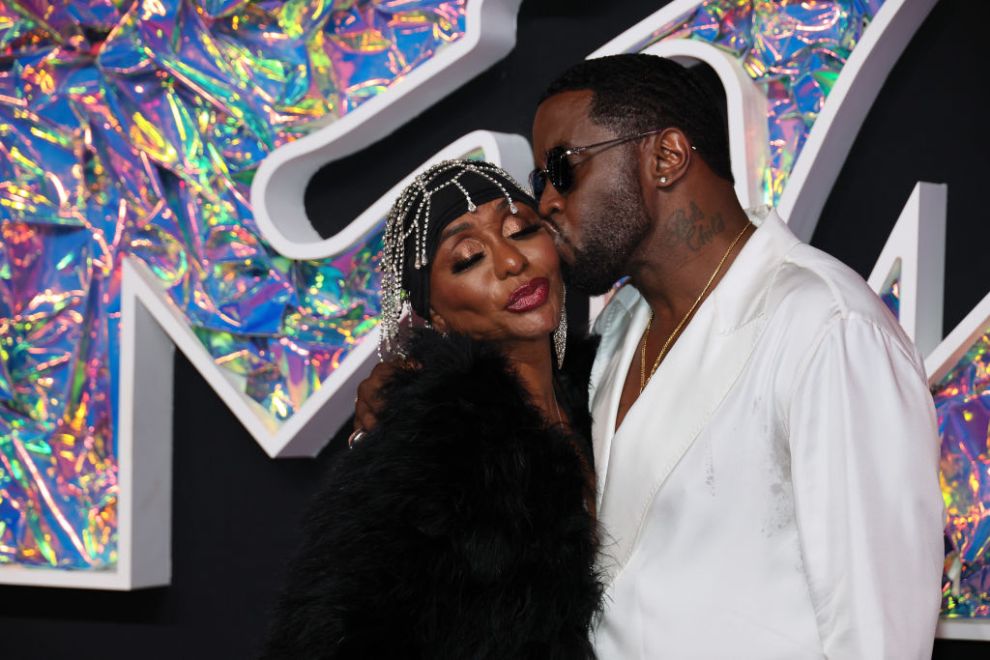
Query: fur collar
[(474, 370)]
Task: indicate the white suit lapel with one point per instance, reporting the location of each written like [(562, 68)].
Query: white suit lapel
[(660, 428), (684, 393), (611, 365)]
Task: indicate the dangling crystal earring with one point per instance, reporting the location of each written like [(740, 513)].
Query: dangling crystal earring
[(560, 334)]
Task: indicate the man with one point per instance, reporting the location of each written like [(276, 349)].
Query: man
[(765, 443)]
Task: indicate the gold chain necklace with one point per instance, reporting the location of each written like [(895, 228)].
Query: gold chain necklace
[(670, 337)]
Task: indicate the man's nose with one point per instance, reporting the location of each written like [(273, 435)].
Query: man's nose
[(551, 202)]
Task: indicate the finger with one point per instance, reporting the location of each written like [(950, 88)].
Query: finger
[(361, 412), (368, 405), (409, 364), (370, 389), (364, 390), (368, 421)]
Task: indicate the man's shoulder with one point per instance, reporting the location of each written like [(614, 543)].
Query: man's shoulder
[(814, 295), (819, 288), (796, 279), (820, 311)]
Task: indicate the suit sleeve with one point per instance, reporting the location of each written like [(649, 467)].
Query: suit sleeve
[(864, 446)]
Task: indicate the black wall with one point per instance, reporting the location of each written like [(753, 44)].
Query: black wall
[(236, 511)]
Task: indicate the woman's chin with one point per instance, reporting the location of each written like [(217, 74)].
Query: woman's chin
[(530, 332), (531, 326)]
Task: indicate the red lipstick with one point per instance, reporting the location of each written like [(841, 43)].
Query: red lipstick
[(529, 296)]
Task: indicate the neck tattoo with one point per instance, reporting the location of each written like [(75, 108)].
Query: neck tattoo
[(643, 379)]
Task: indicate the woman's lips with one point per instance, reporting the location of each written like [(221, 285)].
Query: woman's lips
[(529, 296)]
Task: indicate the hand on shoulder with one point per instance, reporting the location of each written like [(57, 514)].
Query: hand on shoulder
[(368, 402)]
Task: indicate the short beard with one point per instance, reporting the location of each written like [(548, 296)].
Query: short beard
[(611, 231)]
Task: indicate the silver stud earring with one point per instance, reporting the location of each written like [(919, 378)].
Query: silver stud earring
[(560, 333), (663, 179)]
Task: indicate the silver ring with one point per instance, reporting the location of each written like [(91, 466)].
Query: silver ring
[(355, 437)]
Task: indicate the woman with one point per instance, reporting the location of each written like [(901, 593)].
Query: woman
[(461, 526)]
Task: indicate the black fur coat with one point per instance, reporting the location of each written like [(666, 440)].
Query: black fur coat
[(458, 528)]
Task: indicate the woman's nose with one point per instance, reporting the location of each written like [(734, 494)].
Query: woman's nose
[(509, 260)]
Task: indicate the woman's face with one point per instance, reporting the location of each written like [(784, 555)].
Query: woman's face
[(495, 275)]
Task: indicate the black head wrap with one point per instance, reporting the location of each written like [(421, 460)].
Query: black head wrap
[(451, 188)]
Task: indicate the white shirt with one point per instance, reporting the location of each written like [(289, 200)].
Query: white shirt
[(773, 493)]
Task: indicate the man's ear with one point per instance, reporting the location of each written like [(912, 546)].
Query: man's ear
[(670, 156)]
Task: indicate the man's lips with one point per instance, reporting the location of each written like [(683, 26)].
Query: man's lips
[(529, 296), (560, 242)]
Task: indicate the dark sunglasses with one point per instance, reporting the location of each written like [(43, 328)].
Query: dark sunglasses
[(559, 171)]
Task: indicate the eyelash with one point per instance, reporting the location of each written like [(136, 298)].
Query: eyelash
[(526, 231), (464, 264)]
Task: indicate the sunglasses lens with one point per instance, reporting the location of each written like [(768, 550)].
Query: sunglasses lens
[(559, 169), (538, 182)]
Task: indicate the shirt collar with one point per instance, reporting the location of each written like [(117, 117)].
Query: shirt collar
[(740, 296)]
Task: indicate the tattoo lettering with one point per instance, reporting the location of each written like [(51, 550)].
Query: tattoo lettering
[(693, 229)]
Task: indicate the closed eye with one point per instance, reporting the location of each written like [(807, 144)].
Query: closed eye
[(527, 231), (464, 264)]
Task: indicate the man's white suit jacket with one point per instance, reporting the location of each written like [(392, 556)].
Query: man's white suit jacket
[(773, 493)]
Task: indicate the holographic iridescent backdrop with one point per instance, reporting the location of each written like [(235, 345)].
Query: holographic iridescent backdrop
[(890, 294), (792, 49), (962, 400), (135, 128)]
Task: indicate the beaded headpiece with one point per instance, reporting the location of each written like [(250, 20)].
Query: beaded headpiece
[(433, 200)]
